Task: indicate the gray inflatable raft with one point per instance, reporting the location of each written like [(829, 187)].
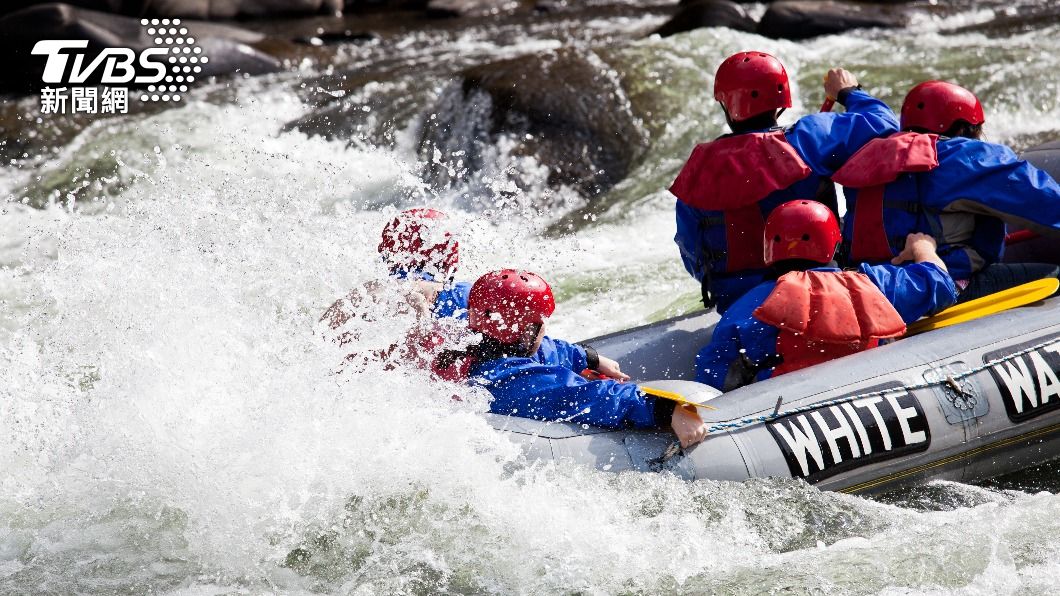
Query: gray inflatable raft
[(964, 403)]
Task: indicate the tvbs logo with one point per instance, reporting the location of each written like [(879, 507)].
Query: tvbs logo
[(162, 72), (118, 63)]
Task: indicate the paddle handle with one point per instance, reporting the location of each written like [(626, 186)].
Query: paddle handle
[(1021, 295), (828, 104), (1019, 236)]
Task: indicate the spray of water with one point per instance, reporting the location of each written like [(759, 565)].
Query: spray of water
[(173, 421)]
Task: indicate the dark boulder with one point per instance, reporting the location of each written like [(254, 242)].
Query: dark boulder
[(112, 6), (707, 13), (195, 9), (228, 9), (467, 8), (228, 56), (802, 19), (567, 109), (369, 6), (227, 48), (595, 8)]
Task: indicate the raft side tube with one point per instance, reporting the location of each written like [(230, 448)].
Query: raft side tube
[(662, 350)]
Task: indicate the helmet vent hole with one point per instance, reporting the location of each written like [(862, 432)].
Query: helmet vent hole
[(754, 94), (805, 237), (776, 238), (780, 88), (746, 59), (920, 106)]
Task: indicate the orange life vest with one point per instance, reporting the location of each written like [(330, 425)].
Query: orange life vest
[(823, 315)]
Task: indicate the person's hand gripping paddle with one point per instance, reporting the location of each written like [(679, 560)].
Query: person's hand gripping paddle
[(835, 80)]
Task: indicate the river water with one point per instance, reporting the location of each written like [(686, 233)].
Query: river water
[(172, 422)]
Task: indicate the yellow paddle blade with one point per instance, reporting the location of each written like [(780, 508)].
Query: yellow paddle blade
[(987, 305), (673, 396)]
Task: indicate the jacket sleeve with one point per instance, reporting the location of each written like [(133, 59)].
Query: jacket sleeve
[(545, 392), (452, 301), (716, 358), (989, 179), (827, 140), (556, 352), (688, 238), (741, 346), (915, 290)]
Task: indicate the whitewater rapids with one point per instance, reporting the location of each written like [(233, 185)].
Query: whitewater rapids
[(171, 421)]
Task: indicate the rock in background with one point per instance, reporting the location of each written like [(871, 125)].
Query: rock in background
[(707, 13), (568, 109), (195, 9), (803, 19)]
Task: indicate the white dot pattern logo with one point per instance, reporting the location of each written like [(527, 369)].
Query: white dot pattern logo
[(168, 34)]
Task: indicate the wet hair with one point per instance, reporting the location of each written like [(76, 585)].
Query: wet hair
[(767, 119), (963, 128), (960, 128)]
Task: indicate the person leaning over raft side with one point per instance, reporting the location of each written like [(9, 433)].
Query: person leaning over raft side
[(939, 178), (730, 185), (535, 376), (419, 249), (812, 312)]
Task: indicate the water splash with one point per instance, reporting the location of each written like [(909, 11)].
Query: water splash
[(173, 422)]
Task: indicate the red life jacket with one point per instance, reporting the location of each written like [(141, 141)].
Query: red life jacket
[(731, 175), (823, 315), (874, 166)]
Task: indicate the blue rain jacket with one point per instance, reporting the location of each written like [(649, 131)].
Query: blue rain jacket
[(739, 338), (824, 141), (548, 387), (452, 301), (976, 187)]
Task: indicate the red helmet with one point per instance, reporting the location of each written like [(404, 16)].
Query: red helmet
[(801, 230), (418, 240), (936, 105), (502, 303), (750, 83)]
